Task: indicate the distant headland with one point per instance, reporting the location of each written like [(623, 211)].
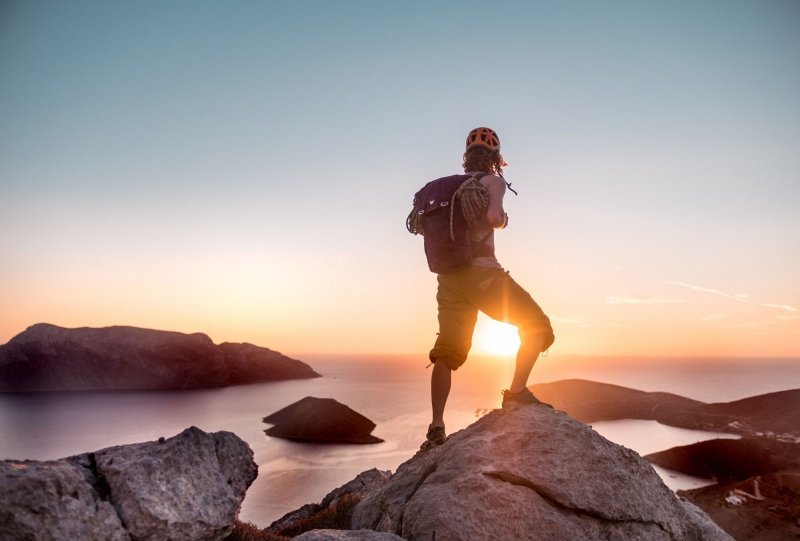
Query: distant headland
[(46, 357), (776, 414)]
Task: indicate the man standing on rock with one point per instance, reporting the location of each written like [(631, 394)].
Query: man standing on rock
[(470, 277)]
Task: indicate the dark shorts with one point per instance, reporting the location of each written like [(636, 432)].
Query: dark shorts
[(492, 291)]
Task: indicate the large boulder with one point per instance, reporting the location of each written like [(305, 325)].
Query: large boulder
[(321, 420), (190, 487), (530, 473), (45, 357), (55, 500)]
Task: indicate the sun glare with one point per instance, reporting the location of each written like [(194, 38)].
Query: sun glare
[(495, 337)]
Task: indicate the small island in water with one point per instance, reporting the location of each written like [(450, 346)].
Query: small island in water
[(321, 420)]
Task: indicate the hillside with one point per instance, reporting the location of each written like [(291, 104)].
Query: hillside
[(758, 491), (591, 401)]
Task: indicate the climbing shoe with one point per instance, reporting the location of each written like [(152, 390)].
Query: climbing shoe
[(521, 398), (435, 436)]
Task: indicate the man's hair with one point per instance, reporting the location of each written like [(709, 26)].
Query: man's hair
[(483, 159)]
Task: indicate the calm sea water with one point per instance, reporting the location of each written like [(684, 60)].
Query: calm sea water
[(393, 391)]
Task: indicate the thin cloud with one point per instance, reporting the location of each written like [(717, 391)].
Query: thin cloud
[(780, 307), (737, 297), (741, 297), (633, 299)]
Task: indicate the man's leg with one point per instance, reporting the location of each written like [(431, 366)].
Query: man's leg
[(456, 322), (528, 353), (504, 300), (440, 389)]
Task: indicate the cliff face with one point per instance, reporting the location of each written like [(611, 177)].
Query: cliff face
[(530, 473), (47, 358)]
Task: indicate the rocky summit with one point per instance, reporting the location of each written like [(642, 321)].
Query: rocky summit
[(188, 487), (530, 473), (46, 357)]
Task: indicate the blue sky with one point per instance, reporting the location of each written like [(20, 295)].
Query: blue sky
[(244, 169)]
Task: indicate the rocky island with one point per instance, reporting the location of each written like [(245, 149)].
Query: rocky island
[(320, 420), (46, 357)]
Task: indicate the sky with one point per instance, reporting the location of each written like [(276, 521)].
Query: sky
[(244, 169)]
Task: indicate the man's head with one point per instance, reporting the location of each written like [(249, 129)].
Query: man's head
[(483, 152)]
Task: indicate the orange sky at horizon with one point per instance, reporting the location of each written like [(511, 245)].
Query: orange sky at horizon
[(690, 323)]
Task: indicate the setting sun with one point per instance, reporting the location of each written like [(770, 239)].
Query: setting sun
[(495, 337)]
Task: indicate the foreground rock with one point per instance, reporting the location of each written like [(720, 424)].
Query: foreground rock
[(49, 358), (321, 420), (590, 401), (530, 473), (190, 487)]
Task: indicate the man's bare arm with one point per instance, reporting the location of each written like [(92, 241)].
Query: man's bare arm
[(495, 215)]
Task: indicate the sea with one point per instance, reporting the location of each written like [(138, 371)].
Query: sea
[(392, 390)]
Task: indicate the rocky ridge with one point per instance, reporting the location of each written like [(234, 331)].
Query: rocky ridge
[(46, 357)]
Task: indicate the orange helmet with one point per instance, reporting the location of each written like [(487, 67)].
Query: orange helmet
[(484, 137)]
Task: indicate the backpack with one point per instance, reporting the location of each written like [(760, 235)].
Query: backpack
[(443, 211)]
